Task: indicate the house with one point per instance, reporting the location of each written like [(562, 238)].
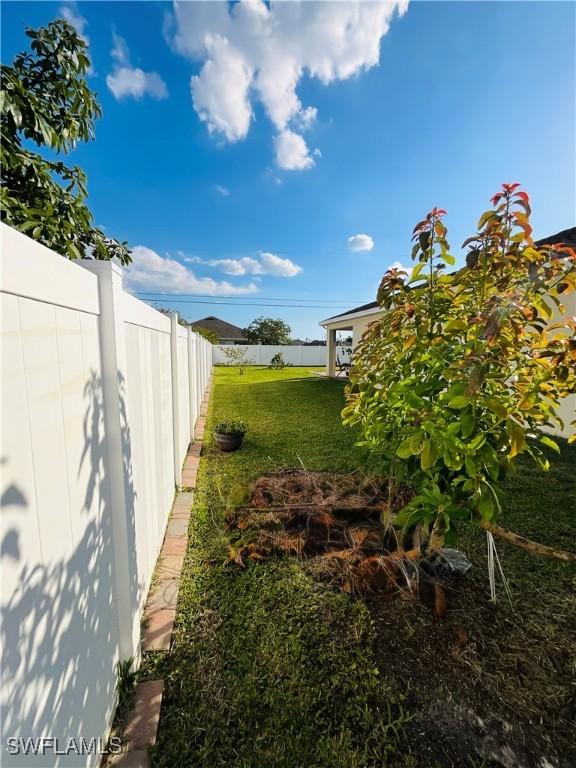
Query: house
[(226, 332), (355, 320), (358, 319)]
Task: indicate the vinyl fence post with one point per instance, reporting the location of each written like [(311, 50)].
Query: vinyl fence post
[(175, 404), (192, 380), (201, 367), (116, 431)]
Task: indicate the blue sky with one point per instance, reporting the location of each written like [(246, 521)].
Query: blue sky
[(308, 125)]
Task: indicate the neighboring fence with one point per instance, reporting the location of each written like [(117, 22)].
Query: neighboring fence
[(100, 394), (262, 354)]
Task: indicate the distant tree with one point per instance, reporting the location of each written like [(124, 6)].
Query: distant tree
[(267, 330), (211, 336), (45, 100)]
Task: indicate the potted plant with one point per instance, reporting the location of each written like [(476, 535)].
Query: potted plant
[(229, 434)]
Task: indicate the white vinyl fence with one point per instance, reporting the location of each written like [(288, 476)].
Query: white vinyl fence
[(262, 354), (100, 394)]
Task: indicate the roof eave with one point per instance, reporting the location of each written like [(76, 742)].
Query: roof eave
[(351, 316)]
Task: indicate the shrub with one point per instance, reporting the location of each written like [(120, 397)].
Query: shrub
[(236, 355), (464, 371), (231, 427), (277, 361)]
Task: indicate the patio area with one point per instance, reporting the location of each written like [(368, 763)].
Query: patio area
[(269, 667)]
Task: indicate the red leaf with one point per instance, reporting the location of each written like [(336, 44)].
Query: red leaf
[(523, 196)]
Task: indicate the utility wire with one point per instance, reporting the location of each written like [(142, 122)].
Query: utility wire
[(252, 304), (159, 296)]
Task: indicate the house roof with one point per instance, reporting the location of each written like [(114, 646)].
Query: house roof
[(363, 308), (221, 327), (566, 237)]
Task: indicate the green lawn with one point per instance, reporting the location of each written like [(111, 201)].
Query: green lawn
[(270, 668)]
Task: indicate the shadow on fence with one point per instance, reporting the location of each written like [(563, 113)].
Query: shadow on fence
[(60, 626)]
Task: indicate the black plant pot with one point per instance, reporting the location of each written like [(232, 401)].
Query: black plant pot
[(228, 443)]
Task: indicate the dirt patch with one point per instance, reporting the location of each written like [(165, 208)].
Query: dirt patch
[(485, 686), (335, 523)]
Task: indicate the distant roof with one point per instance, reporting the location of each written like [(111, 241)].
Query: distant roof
[(566, 236), (221, 327)]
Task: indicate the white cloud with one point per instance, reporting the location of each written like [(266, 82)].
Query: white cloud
[(306, 119), (265, 264), (72, 14), (224, 191), (360, 243), (120, 52), (399, 265), (220, 91), (275, 265), (254, 50), (150, 271), (126, 81), (292, 152)]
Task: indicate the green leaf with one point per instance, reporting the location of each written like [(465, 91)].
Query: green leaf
[(413, 399), (467, 424), (477, 442), (456, 325), (429, 455), (486, 216), (486, 506), (550, 443), (471, 465), (411, 446), (460, 401), (404, 450), (416, 271), (497, 407)]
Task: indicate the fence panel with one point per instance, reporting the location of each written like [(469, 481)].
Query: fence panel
[(88, 474), (183, 393), (149, 415), (59, 630), (293, 354)]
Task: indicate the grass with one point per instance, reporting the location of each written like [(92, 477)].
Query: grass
[(270, 668)]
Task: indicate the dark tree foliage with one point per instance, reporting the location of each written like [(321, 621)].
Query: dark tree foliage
[(267, 330), (45, 100)]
